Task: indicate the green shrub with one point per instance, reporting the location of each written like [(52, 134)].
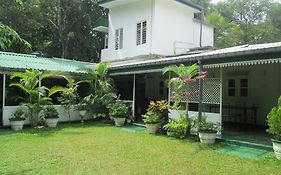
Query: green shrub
[(151, 118), (50, 112), (118, 109), (17, 115), (178, 127), (208, 127), (274, 120)]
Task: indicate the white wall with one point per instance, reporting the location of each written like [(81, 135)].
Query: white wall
[(127, 16), (171, 29), (174, 26), (9, 110)]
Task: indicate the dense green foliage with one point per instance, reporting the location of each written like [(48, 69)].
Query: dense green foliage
[(274, 120), (50, 112), (243, 21), (104, 149), (178, 128), (61, 28), (151, 117), (118, 109), (34, 95), (207, 127), (17, 115)]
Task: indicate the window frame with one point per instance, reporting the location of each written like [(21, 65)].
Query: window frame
[(119, 38), (141, 33)]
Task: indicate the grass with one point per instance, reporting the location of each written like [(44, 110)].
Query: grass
[(105, 149)]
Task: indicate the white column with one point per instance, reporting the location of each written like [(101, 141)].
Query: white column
[(134, 95), (4, 95), (221, 90), (169, 91)]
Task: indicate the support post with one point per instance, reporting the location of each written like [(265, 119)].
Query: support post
[(200, 92), (4, 97), (169, 91), (221, 95), (134, 95)]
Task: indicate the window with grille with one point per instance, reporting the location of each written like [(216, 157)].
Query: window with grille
[(119, 39), (106, 41), (231, 87), (141, 33), (243, 87)]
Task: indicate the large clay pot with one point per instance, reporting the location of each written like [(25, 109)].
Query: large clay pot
[(277, 148), (152, 128), (119, 121), (17, 125), (207, 137), (51, 122)]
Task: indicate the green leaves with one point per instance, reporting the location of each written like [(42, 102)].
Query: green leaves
[(274, 120), (8, 37)]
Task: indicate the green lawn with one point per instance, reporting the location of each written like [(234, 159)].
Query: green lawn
[(105, 149)]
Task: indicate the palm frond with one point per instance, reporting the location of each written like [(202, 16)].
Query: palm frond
[(56, 89)]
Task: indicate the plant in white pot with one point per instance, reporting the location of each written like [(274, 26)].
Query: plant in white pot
[(152, 122), (274, 123), (17, 120), (208, 131), (82, 108), (51, 116), (179, 128), (119, 112)]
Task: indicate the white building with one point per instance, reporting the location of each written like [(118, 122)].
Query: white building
[(144, 27)]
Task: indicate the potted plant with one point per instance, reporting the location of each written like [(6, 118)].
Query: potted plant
[(208, 131), (274, 123), (82, 108), (161, 108), (152, 121), (17, 120), (118, 111), (178, 128), (51, 116)]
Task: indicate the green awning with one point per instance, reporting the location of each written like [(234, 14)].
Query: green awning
[(101, 25), (18, 62), (244, 63)]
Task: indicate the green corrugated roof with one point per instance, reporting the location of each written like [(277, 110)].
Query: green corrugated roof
[(15, 61), (101, 22)]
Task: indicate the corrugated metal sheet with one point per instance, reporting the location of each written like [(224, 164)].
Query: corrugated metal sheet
[(24, 61)]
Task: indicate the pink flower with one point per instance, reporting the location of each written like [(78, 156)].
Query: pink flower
[(189, 80), (203, 75), (187, 94)]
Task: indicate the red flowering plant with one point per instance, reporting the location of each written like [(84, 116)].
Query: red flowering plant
[(185, 76)]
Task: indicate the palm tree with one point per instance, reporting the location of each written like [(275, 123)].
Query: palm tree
[(35, 95), (185, 75), (101, 88)]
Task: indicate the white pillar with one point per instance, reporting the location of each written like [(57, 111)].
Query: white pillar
[(4, 95), (169, 91), (221, 90), (134, 95)]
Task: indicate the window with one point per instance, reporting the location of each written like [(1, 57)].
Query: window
[(231, 87), (243, 87), (141, 33), (119, 39)]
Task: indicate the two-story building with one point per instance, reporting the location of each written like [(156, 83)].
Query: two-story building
[(152, 27), (144, 36)]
